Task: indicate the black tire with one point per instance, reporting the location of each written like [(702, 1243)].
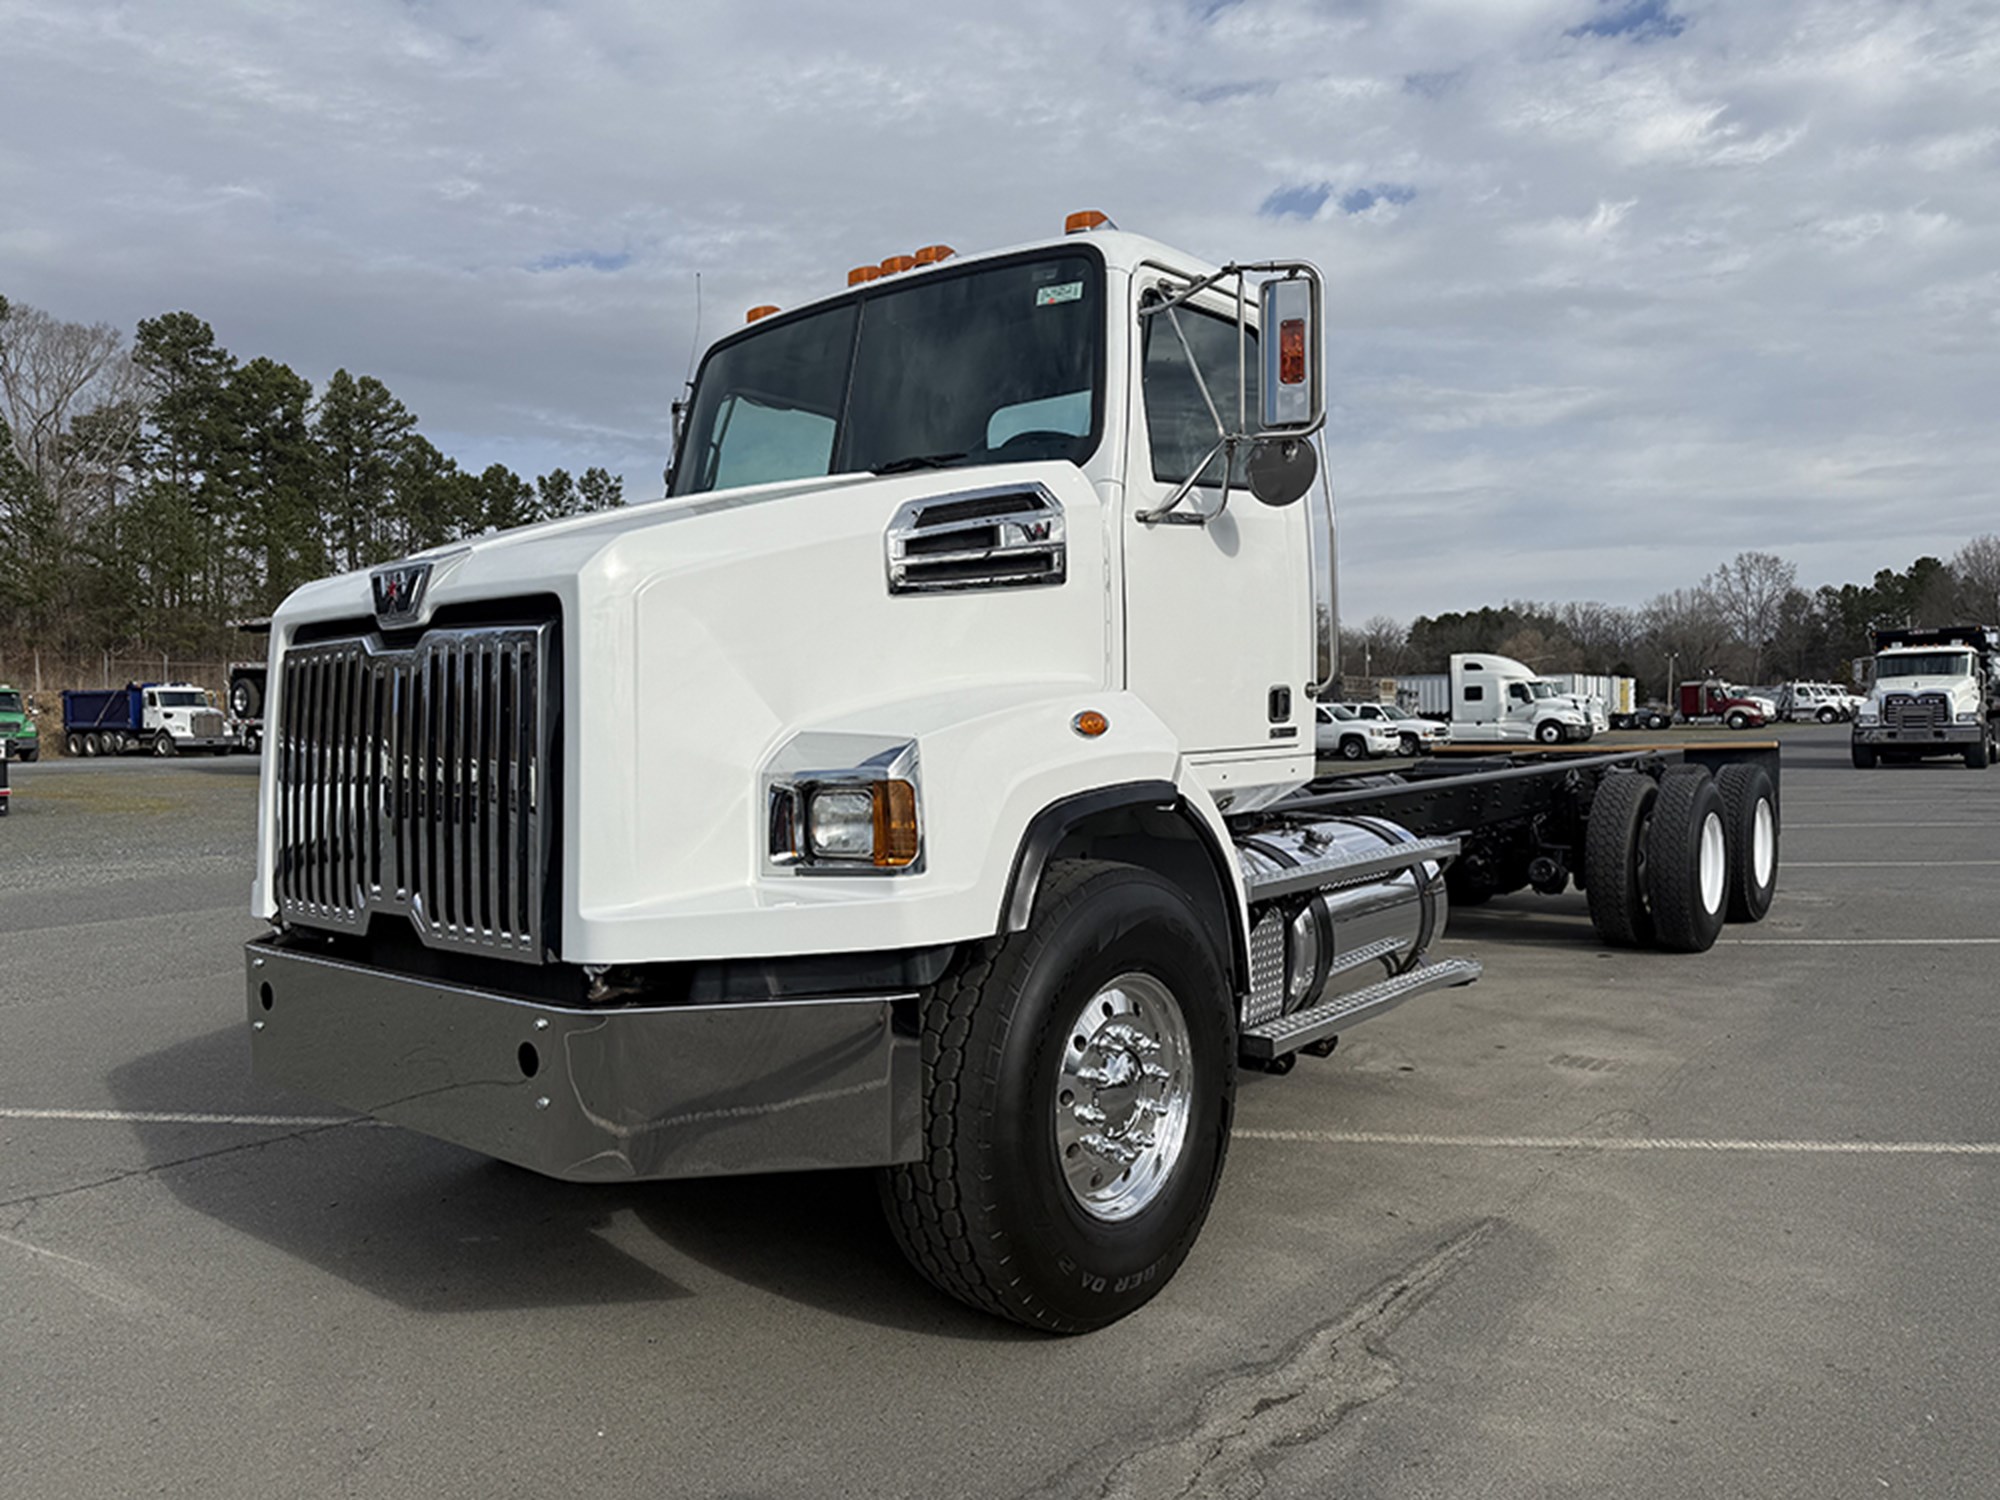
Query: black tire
[(29, 757), (1750, 819), (1614, 854), (1353, 747), (1737, 719), (93, 743), (73, 744), (1864, 757), (990, 1214), (1978, 754), (1826, 716), (1687, 864), (245, 697), (1549, 732), (1411, 745), (163, 745)]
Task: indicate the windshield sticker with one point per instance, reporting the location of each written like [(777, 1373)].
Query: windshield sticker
[(1068, 291)]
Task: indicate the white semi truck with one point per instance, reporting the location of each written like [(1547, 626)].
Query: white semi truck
[(1936, 692), (923, 784)]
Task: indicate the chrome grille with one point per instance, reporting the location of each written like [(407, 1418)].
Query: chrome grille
[(417, 781), (206, 726), (1916, 711)]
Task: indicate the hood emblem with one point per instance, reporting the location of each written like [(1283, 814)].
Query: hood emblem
[(399, 592)]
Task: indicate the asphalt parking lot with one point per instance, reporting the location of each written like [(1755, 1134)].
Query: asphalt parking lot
[(1603, 1224)]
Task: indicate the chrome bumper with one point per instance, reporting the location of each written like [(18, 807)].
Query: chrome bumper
[(593, 1095), (1941, 734)]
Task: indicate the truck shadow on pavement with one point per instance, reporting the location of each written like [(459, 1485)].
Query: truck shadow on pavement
[(437, 1229)]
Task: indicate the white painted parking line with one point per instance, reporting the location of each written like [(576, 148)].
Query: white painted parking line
[(1596, 1143), (1885, 864), (1959, 942), (1790, 826), (180, 1117)]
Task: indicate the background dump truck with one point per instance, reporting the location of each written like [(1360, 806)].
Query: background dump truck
[(926, 783), (1936, 692), (164, 718)]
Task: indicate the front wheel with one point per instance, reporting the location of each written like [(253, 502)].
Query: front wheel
[(1353, 748), (1978, 754), (1864, 757), (29, 757), (1826, 716), (1079, 1084), (1738, 720), (1549, 732), (163, 744)]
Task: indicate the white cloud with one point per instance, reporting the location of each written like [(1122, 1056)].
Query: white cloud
[(1618, 307)]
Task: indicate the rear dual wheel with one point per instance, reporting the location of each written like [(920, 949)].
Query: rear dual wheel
[(1666, 862)]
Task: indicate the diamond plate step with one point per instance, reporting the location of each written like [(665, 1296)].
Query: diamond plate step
[(1302, 1028), (1346, 869)]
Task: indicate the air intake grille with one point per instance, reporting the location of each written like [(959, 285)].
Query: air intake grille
[(206, 726), (418, 781), (1921, 711)]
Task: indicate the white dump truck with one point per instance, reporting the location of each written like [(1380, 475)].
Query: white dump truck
[(925, 783), (1936, 692)]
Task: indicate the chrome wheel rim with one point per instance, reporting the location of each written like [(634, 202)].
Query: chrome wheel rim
[(1124, 1096), (1712, 862)]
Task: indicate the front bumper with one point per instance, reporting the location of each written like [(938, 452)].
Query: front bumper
[(1943, 736), (600, 1094)]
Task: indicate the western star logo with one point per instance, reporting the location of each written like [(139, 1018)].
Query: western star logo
[(399, 592)]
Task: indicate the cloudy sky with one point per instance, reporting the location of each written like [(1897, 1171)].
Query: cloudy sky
[(1618, 288)]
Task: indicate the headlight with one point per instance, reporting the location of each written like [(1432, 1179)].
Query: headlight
[(1968, 718), (1869, 716), (860, 817)]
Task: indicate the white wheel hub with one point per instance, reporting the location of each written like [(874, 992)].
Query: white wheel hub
[(1713, 862)]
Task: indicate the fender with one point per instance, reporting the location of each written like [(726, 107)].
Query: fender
[(1114, 821)]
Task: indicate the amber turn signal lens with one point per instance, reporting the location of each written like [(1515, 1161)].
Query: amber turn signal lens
[(1090, 723), (891, 264), (1087, 218), (930, 255), (895, 823), (764, 311), (863, 273)]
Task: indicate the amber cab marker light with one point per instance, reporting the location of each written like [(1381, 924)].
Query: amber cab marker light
[(860, 274), (1292, 351), (763, 311), (1090, 723), (930, 255), (891, 264), (1085, 219)]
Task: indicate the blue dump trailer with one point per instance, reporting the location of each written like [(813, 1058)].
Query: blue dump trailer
[(162, 717)]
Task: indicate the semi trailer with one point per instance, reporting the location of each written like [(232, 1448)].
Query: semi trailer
[(925, 783)]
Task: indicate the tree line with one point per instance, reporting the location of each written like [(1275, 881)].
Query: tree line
[(154, 490), (1748, 620)]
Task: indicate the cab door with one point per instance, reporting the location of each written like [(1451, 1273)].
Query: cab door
[(1219, 628)]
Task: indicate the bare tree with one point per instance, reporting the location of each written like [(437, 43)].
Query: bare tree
[(1750, 592), (1380, 648), (1686, 633), (68, 392), (1977, 571)]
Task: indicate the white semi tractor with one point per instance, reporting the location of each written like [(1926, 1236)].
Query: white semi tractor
[(923, 784), (1492, 700)]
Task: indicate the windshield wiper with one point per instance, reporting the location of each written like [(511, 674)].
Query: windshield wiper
[(919, 461)]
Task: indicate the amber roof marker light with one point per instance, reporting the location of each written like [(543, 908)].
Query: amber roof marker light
[(1086, 219), (862, 274), (763, 311), (930, 255), (891, 264)]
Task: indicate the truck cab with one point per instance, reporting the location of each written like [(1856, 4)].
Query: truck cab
[(17, 726), (1714, 701), (1495, 699), (1936, 692)]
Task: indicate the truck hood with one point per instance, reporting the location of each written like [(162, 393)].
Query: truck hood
[(699, 635), (1962, 691)]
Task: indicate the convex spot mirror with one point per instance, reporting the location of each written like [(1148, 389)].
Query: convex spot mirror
[(1282, 469)]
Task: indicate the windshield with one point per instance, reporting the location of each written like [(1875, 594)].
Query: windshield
[(1542, 689), (183, 699), (995, 363), (1925, 664), (10, 703)]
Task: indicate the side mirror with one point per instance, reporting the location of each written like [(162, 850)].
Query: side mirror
[(1282, 469), (1293, 397)]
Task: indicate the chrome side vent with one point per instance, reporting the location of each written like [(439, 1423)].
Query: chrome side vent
[(1009, 537), (417, 781)]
